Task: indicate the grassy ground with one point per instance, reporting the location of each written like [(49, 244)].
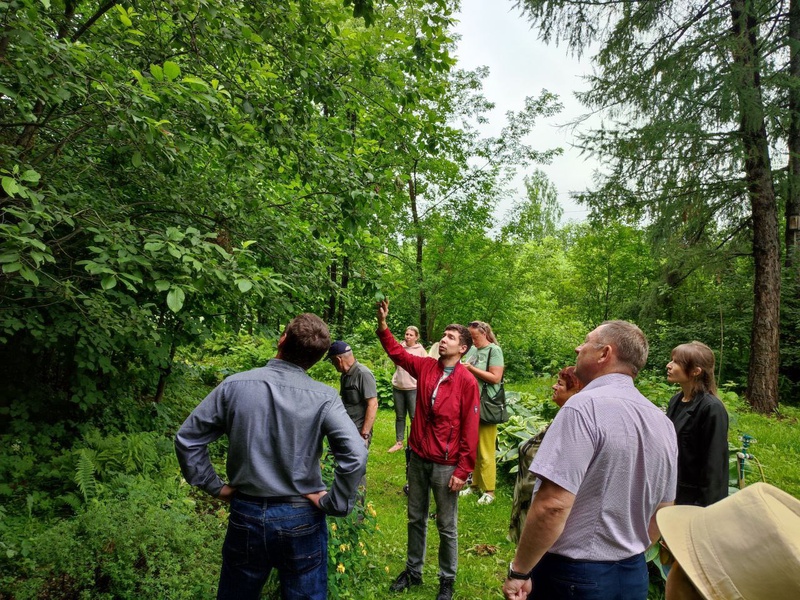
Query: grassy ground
[(483, 551)]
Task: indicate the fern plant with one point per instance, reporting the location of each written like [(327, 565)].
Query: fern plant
[(85, 473)]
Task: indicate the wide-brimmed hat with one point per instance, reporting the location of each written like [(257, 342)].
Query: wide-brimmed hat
[(746, 546)]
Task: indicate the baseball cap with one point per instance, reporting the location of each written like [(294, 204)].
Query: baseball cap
[(338, 347)]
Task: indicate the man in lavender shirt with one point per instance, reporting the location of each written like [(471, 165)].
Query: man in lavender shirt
[(607, 464)]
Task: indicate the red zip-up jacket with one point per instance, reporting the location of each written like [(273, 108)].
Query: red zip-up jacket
[(446, 433)]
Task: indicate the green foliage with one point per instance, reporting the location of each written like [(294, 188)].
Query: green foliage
[(132, 548)]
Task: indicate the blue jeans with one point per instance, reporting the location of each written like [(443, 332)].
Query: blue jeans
[(561, 577), (291, 537)]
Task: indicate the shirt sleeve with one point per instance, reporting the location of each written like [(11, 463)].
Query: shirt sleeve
[(204, 425), (566, 451), (496, 358), (367, 385), (470, 419), (714, 429), (351, 461), (412, 364)]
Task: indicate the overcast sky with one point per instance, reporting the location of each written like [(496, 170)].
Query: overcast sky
[(497, 35)]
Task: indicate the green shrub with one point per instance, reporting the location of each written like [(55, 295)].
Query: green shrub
[(142, 547)]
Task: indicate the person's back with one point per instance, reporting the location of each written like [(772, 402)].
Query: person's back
[(275, 418), (616, 452)]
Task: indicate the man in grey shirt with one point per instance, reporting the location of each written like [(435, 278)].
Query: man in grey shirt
[(608, 462), (275, 418)]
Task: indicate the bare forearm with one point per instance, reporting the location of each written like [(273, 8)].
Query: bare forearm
[(369, 416), (545, 523)]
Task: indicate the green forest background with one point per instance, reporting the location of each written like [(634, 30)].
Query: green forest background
[(181, 178)]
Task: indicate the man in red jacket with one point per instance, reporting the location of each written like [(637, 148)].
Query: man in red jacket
[(443, 442)]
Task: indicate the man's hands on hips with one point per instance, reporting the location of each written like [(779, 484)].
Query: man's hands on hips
[(226, 493), (315, 497), (517, 589), (456, 484)]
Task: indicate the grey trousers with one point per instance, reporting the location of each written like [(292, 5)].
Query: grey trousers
[(405, 403), (424, 476)]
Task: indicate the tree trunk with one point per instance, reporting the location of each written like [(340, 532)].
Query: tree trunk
[(330, 311), (339, 327), (762, 379), (792, 236), (425, 327)]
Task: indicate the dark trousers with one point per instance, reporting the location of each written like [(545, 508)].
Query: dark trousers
[(559, 577)]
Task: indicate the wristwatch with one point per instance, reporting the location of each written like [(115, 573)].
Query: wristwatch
[(365, 436), (512, 574)]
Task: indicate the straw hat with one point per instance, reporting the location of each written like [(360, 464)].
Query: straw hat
[(746, 546)]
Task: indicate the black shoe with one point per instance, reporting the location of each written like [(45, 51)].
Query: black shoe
[(405, 580), (445, 589), (405, 489)]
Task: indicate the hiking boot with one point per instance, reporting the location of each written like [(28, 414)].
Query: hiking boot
[(445, 589), (405, 580)]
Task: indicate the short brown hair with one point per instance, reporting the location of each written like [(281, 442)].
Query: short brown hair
[(629, 342), (307, 340), (464, 337)]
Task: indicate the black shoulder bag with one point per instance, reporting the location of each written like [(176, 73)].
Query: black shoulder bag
[(493, 408)]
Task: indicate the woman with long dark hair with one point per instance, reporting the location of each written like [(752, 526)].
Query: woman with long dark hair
[(701, 424)]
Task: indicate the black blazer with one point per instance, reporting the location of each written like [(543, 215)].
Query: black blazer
[(702, 429)]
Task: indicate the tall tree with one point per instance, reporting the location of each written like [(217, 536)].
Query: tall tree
[(687, 103)]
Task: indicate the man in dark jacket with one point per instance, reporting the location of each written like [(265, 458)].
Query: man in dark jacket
[(443, 442)]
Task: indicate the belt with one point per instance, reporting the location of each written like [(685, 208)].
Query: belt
[(297, 500)]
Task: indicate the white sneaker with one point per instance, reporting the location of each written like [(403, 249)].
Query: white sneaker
[(486, 499), (466, 491)]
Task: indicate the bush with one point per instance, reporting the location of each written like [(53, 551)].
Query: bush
[(142, 547)]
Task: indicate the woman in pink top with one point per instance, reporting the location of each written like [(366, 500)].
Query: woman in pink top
[(404, 388)]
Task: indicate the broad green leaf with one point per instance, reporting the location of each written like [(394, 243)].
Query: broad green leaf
[(9, 257), (245, 285), (162, 286), (153, 246), (136, 159), (29, 275), (30, 176), (108, 282), (10, 186), (175, 299), (171, 70), (157, 72), (11, 267)]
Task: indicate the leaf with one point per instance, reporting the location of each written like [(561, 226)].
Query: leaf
[(171, 70), (9, 257), (153, 246), (175, 299), (157, 72), (31, 176), (162, 286), (11, 267), (108, 282), (245, 285), (10, 186), (136, 159)]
